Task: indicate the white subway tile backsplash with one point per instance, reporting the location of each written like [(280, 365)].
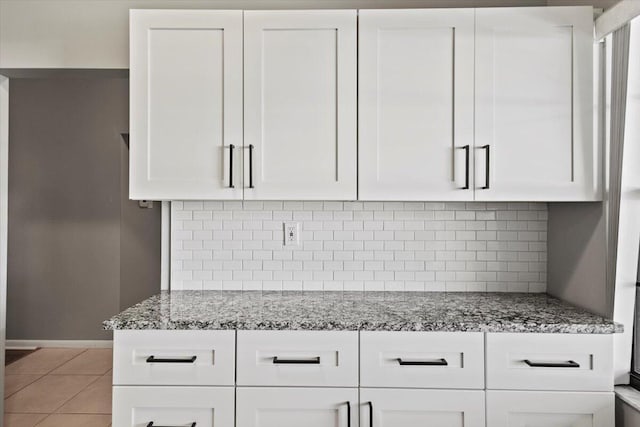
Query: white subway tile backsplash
[(360, 246)]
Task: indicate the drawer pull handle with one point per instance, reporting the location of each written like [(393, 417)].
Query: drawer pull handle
[(152, 359), (567, 364), (153, 425), (348, 414), (370, 413), (435, 362), (309, 361)]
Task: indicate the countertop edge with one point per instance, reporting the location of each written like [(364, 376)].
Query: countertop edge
[(349, 311), (616, 328)]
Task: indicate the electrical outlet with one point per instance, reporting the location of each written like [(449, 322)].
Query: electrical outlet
[(291, 234)]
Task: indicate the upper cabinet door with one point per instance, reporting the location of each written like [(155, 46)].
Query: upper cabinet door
[(416, 104), (534, 107), (186, 104), (300, 104)]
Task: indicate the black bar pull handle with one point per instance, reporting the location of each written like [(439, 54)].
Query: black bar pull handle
[(467, 156), (435, 362), (153, 359), (487, 166), (309, 361), (231, 148), (348, 414), (567, 364), (151, 424), (250, 165), (370, 404)]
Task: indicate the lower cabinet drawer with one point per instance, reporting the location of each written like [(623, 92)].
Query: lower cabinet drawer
[(204, 358), (409, 408), (297, 407), (173, 406), (564, 362), (550, 409), (298, 358), (422, 359)]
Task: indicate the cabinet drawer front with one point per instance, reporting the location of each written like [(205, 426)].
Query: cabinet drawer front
[(297, 407), (549, 409), (441, 408), (298, 358), (422, 359), (173, 357), (173, 406), (550, 362)]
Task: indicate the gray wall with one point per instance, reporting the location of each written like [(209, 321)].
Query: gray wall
[(66, 272), (577, 255), (139, 243), (94, 34)]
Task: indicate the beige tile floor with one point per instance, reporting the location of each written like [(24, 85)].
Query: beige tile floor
[(59, 387)]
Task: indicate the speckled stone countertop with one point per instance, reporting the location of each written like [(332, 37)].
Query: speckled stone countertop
[(369, 311)]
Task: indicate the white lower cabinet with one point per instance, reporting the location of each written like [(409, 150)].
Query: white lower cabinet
[(419, 408), (361, 379), (549, 409), (173, 406), (297, 358), (561, 362), (296, 407), (435, 360)]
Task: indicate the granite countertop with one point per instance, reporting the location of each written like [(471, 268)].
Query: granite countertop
[(366, 311)]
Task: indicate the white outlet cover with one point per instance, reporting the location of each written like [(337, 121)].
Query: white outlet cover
[(291, 234)]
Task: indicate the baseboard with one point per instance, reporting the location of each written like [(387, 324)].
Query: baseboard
[(31, 344)]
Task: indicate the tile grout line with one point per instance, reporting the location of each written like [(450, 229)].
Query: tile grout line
[(83, 389), (51, 374), (73, 358), (41, 375), (25, 386)]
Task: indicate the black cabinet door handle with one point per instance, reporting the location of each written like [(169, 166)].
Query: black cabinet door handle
[(370, 413), (487, 166), (151, 424), (309, 361), (231, 148), (348, 414), (250, 165), (153, 359), (435, 362), (467, 156), (567, 364)]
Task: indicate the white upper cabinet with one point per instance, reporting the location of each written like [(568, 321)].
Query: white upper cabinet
[(415, 100), (534, 105), (186, 104), (300, 104), (417, 104)]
